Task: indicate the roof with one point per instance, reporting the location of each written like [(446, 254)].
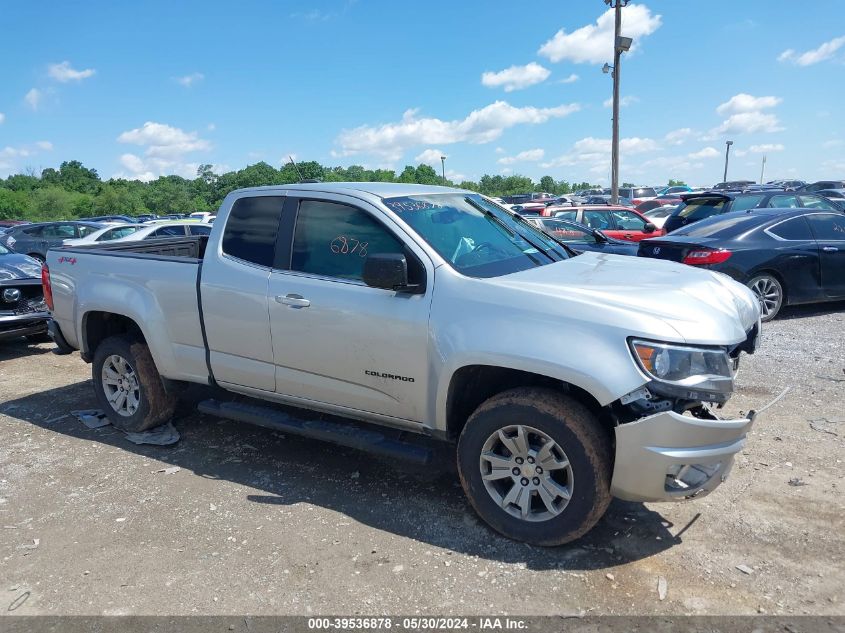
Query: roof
[(380, 189)]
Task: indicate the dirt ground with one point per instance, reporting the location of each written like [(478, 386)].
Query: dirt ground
[(257, 523)]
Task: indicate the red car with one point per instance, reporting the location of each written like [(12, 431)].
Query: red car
[(621, 223)]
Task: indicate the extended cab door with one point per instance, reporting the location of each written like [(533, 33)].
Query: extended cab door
[(234, 291), (336, 340)]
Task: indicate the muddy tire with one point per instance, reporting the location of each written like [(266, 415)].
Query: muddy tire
[(128, 386), (536, 466)]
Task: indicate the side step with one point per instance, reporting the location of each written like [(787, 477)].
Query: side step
[(350, 435)]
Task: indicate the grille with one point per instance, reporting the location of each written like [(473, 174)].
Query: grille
[(32, 300)]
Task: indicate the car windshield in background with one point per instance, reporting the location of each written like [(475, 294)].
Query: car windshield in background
[(477, 237), (699, 208)]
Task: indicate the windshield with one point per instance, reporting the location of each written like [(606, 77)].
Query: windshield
[(477, 237), (700, 208), (4, 250)]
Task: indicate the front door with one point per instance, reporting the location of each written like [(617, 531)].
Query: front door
[(336, 340), (829, 231)]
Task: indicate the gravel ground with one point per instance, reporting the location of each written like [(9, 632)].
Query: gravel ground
[(253, 522)]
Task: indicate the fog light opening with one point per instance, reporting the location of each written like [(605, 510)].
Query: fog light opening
[(683, 478)]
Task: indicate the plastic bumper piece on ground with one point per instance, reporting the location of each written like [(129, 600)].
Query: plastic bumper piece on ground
[(670, 457)]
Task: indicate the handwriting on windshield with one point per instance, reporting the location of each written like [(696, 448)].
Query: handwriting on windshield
[(410, 205), (343, 245)]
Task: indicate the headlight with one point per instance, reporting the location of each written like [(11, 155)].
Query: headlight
[(689, 373)]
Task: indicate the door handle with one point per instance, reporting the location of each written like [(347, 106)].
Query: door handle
[(829, 249), (294, 301)]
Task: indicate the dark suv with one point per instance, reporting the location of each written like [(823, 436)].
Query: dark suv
[(698, 206), (36, 239)]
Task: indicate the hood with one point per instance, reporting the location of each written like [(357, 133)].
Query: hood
[(653, 298), (16, 266)]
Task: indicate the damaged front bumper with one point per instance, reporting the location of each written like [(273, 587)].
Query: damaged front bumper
[(669, 456)]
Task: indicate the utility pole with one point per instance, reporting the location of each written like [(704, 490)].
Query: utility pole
[(443, 168), (762, 169), (727, 153), (620, 45)]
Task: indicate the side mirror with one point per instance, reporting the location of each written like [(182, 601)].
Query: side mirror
[(649, 228), (388, 271)]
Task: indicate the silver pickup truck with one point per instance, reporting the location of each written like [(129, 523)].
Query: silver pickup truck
[(392, 310)]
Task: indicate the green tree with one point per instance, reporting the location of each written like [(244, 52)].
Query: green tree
[(13, 204), (676, 183), (74, 176), (548, 184)]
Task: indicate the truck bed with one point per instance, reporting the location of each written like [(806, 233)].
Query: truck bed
[(191, 248)]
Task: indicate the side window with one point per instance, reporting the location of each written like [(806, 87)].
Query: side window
[(828, 226), (816, 202), (629, 221), (35, 231), (794, 229), (85, 231), (168, 231), (333, 240), (566, 215), (117, 233), (199, 229), (568, 233), (783, 202), (743, 203), (251, 229), (59, 231), (597, 220)]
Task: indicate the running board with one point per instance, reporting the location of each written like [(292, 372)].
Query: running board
[(344, 434)]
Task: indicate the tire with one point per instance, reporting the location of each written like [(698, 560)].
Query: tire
[(146, 404), (770, 293), (580, 441)]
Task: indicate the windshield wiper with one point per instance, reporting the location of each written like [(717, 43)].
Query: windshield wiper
[(487, 212)]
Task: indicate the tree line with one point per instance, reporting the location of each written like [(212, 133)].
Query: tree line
[(76, 191)]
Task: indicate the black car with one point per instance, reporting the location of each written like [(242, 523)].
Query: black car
[(605, 199), (125, 219), (817, 186), (697, 206), (733, 185), (582, 238), (786, 256), (22, 308)]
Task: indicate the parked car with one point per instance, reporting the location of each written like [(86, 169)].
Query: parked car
[(146, 217), (786, 256), (698, 206), (836, 196), (531, 208), (659, 201), (819, 185), (658, 215), (106, 234), (525, 198), (637, 194), (123, 219), (620, 223), (395, 304), (22, 308), (166, 229), (605, 199), (582, 238), (674, 189), (36, 239), (788, 185), (8, 224), (732, 185)]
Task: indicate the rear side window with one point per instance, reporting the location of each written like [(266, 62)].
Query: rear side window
[(794, 229), (566, 215), (816, 202), (63, 231), (332, 240), (783, 202), (117, 233), (35, 231), (702, 208), (85, 231), (743, 203), (199, 230), (169, 231), (251, 229)]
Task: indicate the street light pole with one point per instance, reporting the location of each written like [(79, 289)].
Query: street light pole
[(727, 153), (762, 169), (617, 56), (443, 168)]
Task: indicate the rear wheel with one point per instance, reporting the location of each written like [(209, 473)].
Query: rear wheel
[(769, 293), (128, 386), (536, 466)]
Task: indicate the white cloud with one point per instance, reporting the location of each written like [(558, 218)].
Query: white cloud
[(765, 148), (569, 80), (707, 152), (9, 156), (189, 80), (679, 136), (33, 98), (624, 102), (430, 157), (516, 77), (814, 56), (166, 147), (391, 140), (46, 146), (594, 43), (743, 102), (529, 155), (500, 150), (597, 151), (2, 118), (64, 73)]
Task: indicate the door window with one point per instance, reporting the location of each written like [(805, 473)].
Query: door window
[(628, 221), (568, 233), (598, 220), (251, 229), (743, 203), (566, 215), (85, 231), (816, 202), (199, 229), (332, 240), (117, 233), (168, 231), (59, 231), (783, 202), (828, 226)]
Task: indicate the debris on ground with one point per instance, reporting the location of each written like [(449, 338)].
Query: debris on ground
[(610, 576), (745, 569), (662, 587), (795, 481), (823, 425), (163, 435), (170, 470), (92, 418), (31, 546)]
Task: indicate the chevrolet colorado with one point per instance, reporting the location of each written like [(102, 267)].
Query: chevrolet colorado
[(394, 309)]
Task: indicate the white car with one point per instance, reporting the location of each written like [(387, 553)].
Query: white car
[(201, 216), (106, 234), (657, 216), (167, 229)]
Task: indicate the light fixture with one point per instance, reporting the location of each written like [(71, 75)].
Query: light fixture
[(606, 68), (623, 44)]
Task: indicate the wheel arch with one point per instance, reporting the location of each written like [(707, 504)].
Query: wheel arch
[(98, 325)]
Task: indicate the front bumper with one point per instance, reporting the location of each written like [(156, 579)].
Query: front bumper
[(670, 457), (16, 326)]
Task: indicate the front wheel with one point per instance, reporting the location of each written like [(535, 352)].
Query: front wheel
[(128, 386), (769, 292), (536, 466)]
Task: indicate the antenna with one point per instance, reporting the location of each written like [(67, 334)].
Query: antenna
[(296, 167)]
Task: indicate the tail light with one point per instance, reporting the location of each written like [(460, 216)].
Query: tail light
[(46, 287), (702, 256)]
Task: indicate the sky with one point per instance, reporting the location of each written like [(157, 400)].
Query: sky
[(138, 90)]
